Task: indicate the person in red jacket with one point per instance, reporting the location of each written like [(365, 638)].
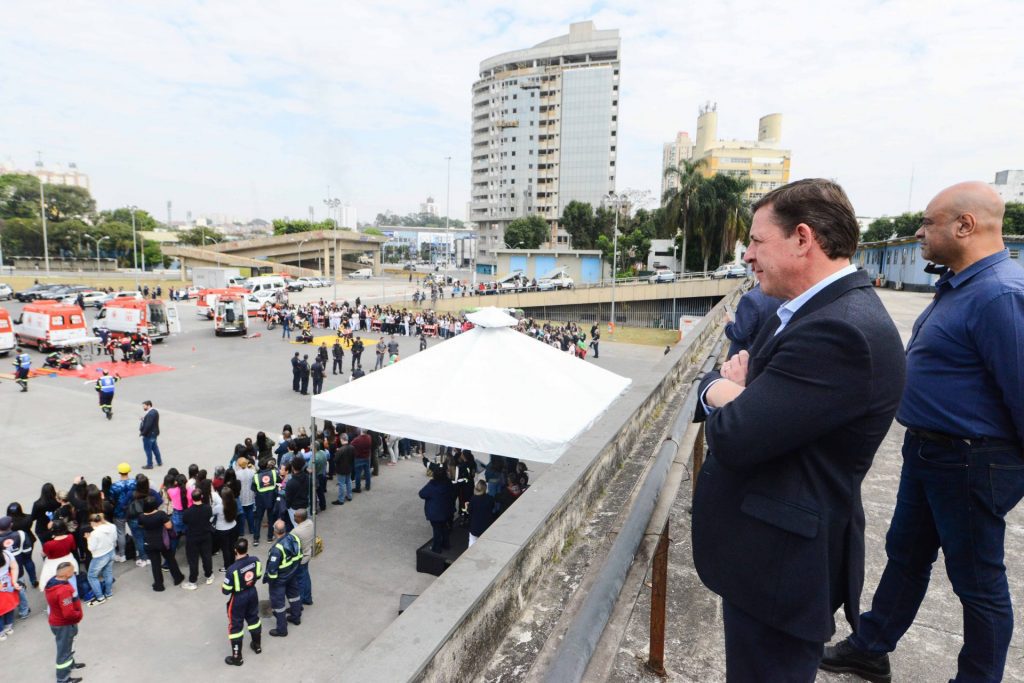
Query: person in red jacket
[(65, 613)]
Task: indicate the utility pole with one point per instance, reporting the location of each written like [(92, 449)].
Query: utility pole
[(447, 214), (135, 248)]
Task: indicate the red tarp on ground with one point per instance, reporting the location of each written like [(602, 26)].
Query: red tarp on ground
[(93, 370)]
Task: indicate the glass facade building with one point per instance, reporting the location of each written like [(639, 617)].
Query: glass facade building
[(544, 133)]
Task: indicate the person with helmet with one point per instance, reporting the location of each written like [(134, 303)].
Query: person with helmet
[(22, 364), (122, 492), (283, 577), (244, 604), (105, 390)]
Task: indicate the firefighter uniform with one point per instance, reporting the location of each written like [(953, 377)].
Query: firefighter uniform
[(105, 389), (283, 576), (243, 605), (22, 364), (264, 484)]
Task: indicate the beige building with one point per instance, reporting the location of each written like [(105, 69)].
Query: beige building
[(58, 175), (672, 153), (764, 160), (544, 133)]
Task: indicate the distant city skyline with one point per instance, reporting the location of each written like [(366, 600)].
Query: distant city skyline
[(240, 108)]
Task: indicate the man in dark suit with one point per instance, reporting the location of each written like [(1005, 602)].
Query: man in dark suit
[(753, 312), (792, 428)]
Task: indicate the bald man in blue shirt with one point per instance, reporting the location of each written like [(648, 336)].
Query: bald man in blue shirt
[(963, 468)]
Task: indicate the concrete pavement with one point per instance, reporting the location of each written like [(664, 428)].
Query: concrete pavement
[(222, 389)]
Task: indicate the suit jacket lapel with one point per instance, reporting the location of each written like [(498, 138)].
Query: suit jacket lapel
[(831, 293)]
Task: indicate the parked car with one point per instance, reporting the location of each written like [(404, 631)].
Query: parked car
[(361, 274), (34, 292), (557, 278), (729, 270), (5, 291), (294, 286), (307, 281), (89, 298), (662, 275), (409, 266), (325, 281)]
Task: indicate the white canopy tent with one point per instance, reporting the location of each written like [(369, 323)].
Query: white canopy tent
[(492, 390)]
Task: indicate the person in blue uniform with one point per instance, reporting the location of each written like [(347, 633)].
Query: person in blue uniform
[(244, 602), (283, 576), (105, 390), (22, 364)]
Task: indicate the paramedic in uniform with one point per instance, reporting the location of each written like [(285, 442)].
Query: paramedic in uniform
[(244, 602), (105, 389)]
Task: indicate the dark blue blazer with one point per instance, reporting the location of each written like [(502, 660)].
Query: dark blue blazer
[(753, 312), (438, 500), (778, 525)]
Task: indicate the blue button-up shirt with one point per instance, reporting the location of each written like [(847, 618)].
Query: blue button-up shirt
[(965, 360)]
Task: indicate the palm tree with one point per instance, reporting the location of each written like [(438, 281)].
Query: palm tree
[(678, 200), (733, 210)]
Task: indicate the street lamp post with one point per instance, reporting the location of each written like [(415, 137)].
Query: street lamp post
[(97, 241), (301, 242), (616, 201), (447, 213), (42, 213), (135, 248)]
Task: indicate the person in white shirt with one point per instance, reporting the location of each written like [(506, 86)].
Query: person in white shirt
[(102, 541)]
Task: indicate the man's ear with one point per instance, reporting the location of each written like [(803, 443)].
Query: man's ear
[(806, 238)]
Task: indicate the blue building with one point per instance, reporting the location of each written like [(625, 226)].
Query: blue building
[(898, 261)]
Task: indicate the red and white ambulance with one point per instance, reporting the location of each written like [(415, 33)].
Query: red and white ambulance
[(6, 333), (48, 325), (230, 316), (206, 300), (130, 316)]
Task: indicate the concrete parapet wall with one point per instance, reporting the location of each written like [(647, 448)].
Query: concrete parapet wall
[(450, 629), (642, 291)]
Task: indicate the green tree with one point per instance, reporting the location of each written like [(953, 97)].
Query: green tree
[(66, 201), (527, 233), (373, 231), (904, 225), (290, 227), (1013, 220), (732, 213), (679, 201), (19, 196), (198, 236), (578, 221), (143, 221)]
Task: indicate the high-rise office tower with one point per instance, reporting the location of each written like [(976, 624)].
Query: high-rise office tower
[(545, 123), (680, 149)]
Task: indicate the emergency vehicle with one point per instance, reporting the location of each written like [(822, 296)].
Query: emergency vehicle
[(49, 325), (206, 300), (127, 316), (230, 316), (6, 333)]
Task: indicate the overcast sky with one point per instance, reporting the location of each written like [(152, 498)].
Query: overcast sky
[(254, 108)]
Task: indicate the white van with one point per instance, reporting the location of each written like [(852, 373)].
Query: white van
[(361, 274), (265, 283)]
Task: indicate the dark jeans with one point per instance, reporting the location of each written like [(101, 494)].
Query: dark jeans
[(152, 450), (247, 514), (65, 637), (305, 585), (226, 542), (168, 557), (955, 498), (755, 651), (362, 470), (321, 492), (442, 531), (199, 550), (267, 510)]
